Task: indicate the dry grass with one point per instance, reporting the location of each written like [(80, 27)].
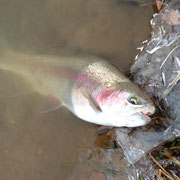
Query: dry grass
[(170, 87), (161, 172), (168, 56)]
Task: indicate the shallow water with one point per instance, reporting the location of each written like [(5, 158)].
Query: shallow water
[(46, 146)]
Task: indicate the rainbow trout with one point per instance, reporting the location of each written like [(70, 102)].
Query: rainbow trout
[(90, 87)]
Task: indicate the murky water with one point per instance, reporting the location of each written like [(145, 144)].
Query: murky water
[(46, 146)]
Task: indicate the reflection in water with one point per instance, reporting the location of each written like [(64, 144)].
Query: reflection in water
[(46, 146)]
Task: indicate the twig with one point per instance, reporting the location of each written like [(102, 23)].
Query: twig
[(168, 176), (159, 175), (175, 147), (147, 4), (170, 87), (163, 170), (159, 4), (168, 56), (141, 177), (172, 158), (175, 176)]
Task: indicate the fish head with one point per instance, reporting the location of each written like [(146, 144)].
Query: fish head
[(126, 107)]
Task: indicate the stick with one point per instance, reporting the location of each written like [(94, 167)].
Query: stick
[(163, 170), (168, 56), (175, 175), (170, 87), (172, 158), (175, 147)]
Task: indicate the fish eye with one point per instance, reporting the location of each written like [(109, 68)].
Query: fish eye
[(134, 100)]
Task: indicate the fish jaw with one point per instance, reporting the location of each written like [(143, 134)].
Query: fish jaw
[(135, 117), (136, 120), (149, 109)]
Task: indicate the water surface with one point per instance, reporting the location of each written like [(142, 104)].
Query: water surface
[(46, 146)]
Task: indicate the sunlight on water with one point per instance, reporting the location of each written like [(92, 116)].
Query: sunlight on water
[(46, 146)]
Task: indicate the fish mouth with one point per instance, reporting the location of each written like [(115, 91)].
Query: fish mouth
[(146, 113), (146, 117), (140, 116), (138, 119), (149, 110)]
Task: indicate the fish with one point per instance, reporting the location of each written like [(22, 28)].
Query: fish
[(90, 87)]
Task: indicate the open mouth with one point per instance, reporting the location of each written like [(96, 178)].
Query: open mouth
[(145, 116), (139, 119), (147, 113)]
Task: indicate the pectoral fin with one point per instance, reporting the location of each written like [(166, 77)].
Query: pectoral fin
[(93, 103), (50, 103)]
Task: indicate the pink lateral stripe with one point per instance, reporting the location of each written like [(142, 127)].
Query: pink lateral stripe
[(110, 97)]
